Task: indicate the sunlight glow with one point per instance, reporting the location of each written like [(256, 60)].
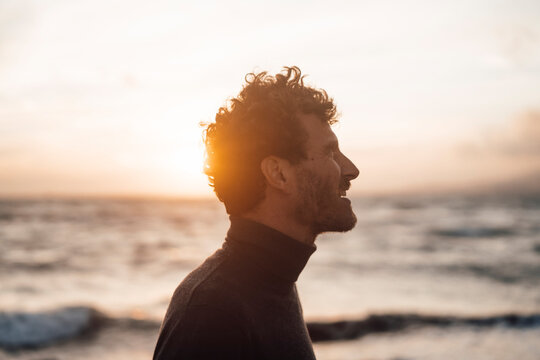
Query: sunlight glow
[(107, 96)]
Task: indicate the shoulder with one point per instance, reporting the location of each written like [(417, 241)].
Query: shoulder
[(205, 313), (208, 285), (212, 330)]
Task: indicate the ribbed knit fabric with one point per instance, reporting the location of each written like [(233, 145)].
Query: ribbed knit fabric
[(241, 303)]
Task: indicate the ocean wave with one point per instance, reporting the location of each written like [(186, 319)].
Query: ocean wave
[(25, 330), (473, 232), (20, 330), (353, 329)]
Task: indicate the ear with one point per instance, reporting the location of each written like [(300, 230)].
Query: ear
[(277, 172)]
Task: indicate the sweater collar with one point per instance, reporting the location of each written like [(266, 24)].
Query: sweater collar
[(272, 250)]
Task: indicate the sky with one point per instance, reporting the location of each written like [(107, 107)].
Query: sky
[(106, 96)]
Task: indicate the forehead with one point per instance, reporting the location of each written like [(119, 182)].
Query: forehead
[(319, 132)]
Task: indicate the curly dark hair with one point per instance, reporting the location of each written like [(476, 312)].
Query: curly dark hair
[(261, 121)]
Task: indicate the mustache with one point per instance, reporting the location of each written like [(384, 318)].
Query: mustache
[(345, 185)]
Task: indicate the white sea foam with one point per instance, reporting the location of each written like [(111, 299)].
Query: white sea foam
[(32, 330)]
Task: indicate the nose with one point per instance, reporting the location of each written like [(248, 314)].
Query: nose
[(348, 169)]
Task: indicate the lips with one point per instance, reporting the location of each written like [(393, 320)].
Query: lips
[(343, 188)]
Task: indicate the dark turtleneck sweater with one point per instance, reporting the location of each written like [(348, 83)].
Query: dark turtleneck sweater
[(241, 303)]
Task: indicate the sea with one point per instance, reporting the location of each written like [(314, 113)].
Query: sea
[(420, 277)]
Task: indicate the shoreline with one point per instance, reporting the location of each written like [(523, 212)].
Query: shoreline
[(35, 330)]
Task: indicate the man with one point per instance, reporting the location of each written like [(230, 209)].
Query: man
[(275, 163)]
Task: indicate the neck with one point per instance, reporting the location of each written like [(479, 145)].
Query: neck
[(282, 222)]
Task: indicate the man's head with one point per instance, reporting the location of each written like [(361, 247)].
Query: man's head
[(323, 178), (272, 144)]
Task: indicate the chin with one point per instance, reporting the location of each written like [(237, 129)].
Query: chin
[(346, 224), (336, 221)]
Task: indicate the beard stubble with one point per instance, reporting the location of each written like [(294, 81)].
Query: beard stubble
[(320, 206)]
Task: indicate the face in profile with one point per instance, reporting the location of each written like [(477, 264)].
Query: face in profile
[(323, 179)]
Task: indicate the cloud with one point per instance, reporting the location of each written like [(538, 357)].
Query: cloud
[(520, 45), (521, 137), (14, 17), (517, 138)]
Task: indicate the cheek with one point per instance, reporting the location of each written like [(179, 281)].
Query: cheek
[(333, 168), (323, 175), (328, 163)]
